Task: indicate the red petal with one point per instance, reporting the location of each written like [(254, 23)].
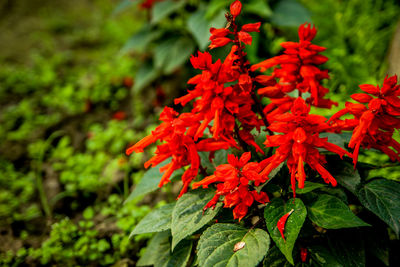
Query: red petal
[(370, 89), (251, 27), (245, 37), (362, 98), (235, 8)]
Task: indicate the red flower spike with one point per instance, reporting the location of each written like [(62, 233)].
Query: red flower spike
[(236, 8), (297, 69), (373, 127), (282, 222), (298, 144)]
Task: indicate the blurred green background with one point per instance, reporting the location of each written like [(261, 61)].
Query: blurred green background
[(80, 80)]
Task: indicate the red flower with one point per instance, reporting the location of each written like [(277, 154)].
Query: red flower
[(373, 126), (177, 134), (233, 182), (299, 143), (298, 70), (236, 8)]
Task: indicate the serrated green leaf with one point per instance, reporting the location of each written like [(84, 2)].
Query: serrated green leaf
[(172, 53), (188, 215), (148, 183), (274, 211), (153, 248), (308, 187), (156, 221), (158, 252), (140, 40), (163, 9), (382, 197), (331, 213), (145, 75), (290, 13), (199, 26), (216, 246)]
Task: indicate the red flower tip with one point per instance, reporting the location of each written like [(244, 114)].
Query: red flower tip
[(307, 32), (251, 27), (236, 8)]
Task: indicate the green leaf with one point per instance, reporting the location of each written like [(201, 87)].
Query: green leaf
[(308, 187), (140, 40), (382, 197), (158, 252), (275, 258), (216, 246), (163, 9), (331, 213), (259, 8), (220, 157), (274, 211), (334, 139), (145, 76), (323, 257), (344, 174), (200, 26), (290, 13), (156, 221), (172, 53), (148, 183), (347, 246), (188, 215)]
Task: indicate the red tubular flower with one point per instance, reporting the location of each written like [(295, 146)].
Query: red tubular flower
[(236, 8), (233, 182), (177, 134), (298, 70), (299, 143), (373, 126), (282, 222)]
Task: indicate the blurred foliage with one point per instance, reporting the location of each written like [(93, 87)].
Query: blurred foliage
[(80, 80)]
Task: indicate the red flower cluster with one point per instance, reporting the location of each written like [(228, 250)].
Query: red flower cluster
[(298, 70), (299, 143), (373, 125), (233, 182), (177, 133)]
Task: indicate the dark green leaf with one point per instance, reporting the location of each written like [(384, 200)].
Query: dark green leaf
[(216, 246), (172, 53), (274, 211), (188, 215), (331, 213), (323, 257), (156, 221), (145, 76), (345, 174), (220, 157), (382, 197), (140, 40), (148, 183), (163, 9), (199, 26), (308, 187), (290, 13), (347, 246), (158, 252), (275, 258)]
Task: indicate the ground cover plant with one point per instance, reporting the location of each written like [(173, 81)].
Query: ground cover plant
[(262, 178), (82, 80)]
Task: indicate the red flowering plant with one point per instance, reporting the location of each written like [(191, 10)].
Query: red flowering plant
[(250, 156)]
